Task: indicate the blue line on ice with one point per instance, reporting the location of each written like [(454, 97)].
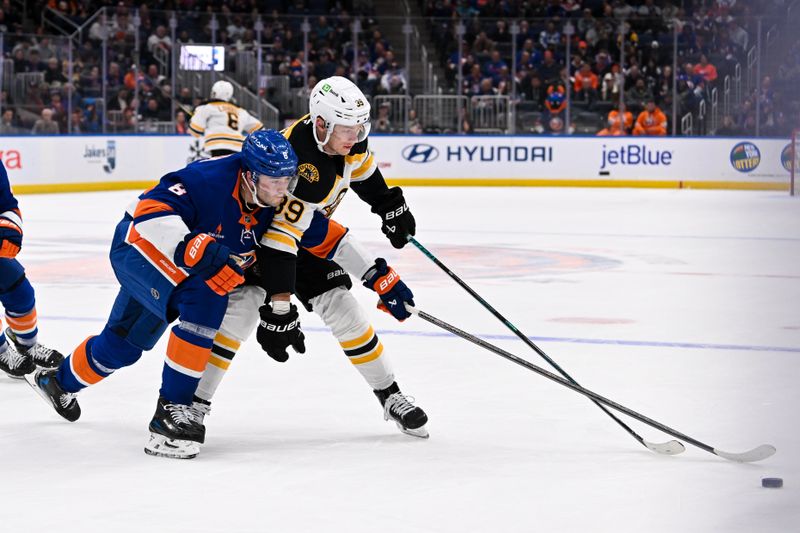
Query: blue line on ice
[(572, 340)]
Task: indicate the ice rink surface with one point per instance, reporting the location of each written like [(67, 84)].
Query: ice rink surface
[(682, 305)]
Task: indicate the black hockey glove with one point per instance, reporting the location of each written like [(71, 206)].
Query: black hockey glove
[(398, 222), (278, 332), (393, 292)]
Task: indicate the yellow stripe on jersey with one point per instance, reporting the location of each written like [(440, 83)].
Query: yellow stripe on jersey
[(374, 354), (287, 228), (279, 241), (257, 126), (288, 131), (355, 158), (359, 341), (196, 127), (366, 166), (228, 136)]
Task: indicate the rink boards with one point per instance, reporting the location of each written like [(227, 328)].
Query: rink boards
[(82, 163)]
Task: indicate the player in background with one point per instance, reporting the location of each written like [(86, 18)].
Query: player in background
[(23, 353), (177, 253), (333, 156), (220, 124)]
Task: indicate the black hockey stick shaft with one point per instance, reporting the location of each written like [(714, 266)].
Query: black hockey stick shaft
[(756, 454), (521, 335)]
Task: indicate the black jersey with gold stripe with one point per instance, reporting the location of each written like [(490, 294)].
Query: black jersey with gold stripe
[(323, 180)]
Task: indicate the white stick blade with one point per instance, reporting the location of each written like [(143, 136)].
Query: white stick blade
[(671, 447), (751, 456)]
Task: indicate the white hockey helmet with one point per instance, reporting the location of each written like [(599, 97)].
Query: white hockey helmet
[(338, 101), (222, 90)]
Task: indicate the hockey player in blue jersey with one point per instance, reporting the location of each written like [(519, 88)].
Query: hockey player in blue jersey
[(23, 353), (178, 252)]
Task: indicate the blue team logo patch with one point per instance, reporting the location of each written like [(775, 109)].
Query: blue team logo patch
[(745, 157), (420, 153), (786, 158)]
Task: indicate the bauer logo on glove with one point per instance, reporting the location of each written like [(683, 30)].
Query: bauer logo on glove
[(394, 294)]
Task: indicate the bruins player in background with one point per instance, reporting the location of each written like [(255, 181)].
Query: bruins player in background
[(333, 156), (220, 124)]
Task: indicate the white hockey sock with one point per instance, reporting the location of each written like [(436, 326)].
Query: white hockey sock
[(340, 312), (222, 353)]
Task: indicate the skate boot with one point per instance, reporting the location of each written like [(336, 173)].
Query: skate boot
[(45, 383), (174, 431), (200, 409), (15, 364), (41, 355), (409, 418)]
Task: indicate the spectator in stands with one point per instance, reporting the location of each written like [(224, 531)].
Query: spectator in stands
[(586, 84), (729, 127), (45, 125), (382, 122), (611, 84), (21, 63), (705, 69), (651, 121), (638, 96), (91, 119), (617, 120), (36, 63), (550, 37), (181, 125), (414, 125), (549, 70), (53, 74), (159, 41), (535, 91), (152, 111), (78, 125), (8, 122), (114, 76)]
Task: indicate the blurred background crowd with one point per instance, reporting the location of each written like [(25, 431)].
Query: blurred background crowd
[(592, 67)]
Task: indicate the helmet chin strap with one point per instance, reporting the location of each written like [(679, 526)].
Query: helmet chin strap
[(321, 144), (251, 188)]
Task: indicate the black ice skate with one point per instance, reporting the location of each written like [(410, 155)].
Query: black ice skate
[(409, 418), (41, 355), (174, 431), (45, 383), (15, 364)]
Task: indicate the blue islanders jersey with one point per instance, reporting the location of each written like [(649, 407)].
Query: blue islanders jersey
[(9, 208), (202, 197)]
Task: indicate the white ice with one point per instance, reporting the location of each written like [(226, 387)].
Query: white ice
[(682, 305)]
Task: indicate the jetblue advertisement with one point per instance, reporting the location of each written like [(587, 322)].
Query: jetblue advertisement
[(436, 160)]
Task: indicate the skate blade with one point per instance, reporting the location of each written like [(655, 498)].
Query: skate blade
[(18, 378), (420, 432), (161, 446), (31, 380)]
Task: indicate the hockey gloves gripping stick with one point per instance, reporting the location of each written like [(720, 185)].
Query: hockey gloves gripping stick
[(203, 256), (394, 294), (10, 238), (276, 332), (397, 221)]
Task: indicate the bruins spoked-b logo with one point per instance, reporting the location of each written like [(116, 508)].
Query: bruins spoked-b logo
[(745, 157), (309, 172)]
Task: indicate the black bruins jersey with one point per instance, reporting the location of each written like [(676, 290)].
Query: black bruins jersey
[(322, 182)]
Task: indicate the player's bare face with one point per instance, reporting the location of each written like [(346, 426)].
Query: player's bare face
[(272, 191), (343, 139)]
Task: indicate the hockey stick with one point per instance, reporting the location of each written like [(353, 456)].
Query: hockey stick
[(671, 447), (756, 454)]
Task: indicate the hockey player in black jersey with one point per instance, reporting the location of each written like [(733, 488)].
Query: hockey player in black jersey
[(333, 156)]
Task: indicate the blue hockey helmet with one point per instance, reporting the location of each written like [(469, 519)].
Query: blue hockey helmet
[(268, 153)]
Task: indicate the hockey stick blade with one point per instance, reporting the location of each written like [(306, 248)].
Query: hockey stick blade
[(672, 447), (756, 454)]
